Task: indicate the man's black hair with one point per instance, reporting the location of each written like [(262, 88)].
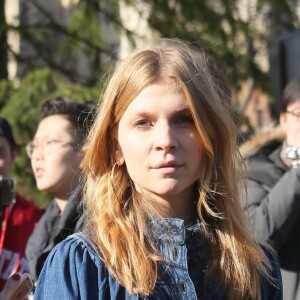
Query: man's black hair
[(80, 115), (291, 93)]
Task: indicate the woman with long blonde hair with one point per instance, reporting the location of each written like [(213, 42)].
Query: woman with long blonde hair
[(163, 215)]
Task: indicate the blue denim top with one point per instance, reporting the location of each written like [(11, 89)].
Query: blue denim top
[(73, 269)]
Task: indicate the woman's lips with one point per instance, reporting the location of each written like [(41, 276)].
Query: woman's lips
[(167, 168)]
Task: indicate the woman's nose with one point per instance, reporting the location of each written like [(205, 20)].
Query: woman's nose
[(165, 137)]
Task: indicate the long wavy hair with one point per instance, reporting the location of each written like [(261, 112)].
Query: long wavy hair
[(117, 214)]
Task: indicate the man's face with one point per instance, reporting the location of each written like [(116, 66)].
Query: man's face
[(7, 157), (290, 123), (55, 171)]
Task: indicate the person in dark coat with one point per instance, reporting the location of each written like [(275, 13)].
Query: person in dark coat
[(273, 163)]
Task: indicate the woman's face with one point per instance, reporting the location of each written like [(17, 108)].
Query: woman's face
[(160, 144), (54, 161)]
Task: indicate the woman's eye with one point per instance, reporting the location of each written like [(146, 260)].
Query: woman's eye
[(184, 120), (142, 123)]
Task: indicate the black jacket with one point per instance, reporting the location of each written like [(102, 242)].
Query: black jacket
[(52, 229), (274, 209)]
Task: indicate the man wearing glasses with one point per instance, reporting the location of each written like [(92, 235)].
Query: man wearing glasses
[(273, 163), (55, 153)]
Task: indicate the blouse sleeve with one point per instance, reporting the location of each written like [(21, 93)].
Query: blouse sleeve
[(272, 288), (72, 271)]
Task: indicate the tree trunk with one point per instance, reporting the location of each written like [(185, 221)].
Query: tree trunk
[(3, 42)]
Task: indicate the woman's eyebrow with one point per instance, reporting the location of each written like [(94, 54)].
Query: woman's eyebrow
[(140, 113), (183, 111)]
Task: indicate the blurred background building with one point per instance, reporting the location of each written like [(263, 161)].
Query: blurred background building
[(49, 48), (125, 24)]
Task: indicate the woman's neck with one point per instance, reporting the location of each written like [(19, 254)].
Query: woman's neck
[(185, 210)]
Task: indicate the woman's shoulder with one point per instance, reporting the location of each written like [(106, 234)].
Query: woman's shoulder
[(73, 268), (79, 239), (77, 245), (76, 255)]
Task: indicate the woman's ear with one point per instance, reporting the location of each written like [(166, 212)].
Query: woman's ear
[(119, 156)]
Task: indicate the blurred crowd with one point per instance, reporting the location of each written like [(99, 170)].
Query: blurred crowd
[(27, 233)]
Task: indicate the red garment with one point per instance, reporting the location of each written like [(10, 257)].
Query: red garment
[(18, 222)]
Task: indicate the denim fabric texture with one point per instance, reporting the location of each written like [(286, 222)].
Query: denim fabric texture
[(73, 269)]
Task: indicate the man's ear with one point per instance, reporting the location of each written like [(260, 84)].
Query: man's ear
[(282, 120), (79, 157)]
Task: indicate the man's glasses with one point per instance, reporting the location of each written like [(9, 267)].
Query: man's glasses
[(47, 147), (294, 114)]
